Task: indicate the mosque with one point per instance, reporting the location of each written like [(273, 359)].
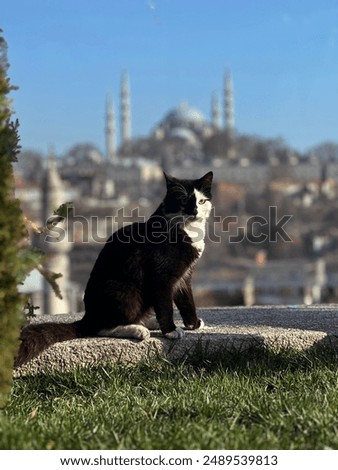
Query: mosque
[(185, 123)]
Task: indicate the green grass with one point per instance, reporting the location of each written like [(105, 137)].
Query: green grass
[(255, 399)]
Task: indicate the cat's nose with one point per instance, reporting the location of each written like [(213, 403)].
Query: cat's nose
[(195, 211)]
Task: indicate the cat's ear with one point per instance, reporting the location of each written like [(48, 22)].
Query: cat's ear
[(170, 180), (206, 180)]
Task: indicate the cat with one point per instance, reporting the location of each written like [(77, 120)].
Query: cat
[(143, 268)]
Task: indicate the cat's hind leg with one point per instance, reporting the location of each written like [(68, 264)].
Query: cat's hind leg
[(126, 331)]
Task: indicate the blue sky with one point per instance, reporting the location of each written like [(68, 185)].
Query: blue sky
[(67, 55)]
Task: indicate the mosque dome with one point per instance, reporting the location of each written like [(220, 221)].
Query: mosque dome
[(185, 123), (184, 116), (83, 154), (184, 134)]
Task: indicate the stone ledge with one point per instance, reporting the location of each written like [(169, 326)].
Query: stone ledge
[(291, 326)]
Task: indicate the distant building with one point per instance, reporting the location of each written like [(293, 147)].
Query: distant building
[(288, 282)]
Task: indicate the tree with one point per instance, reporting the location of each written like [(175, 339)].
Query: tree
[(15, 259)]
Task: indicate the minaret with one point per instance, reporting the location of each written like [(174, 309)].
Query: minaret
[(56, 248), (125, 110), (215, 111), (229, 121), (110, 131)]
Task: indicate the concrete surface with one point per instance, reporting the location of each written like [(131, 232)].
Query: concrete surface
[(295, 326)]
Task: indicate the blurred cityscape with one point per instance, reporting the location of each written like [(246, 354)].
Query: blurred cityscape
[(273, 236)]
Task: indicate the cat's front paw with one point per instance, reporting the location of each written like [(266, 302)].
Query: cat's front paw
[(198, 325), (177, 333)]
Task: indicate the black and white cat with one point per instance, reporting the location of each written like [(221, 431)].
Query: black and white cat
[(143, 269)]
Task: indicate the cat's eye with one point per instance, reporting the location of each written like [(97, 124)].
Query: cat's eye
[(202, 201)]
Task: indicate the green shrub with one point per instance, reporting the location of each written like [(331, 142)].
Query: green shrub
[(14, 262)]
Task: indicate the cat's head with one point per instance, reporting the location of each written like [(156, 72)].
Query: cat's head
[(188, 198)]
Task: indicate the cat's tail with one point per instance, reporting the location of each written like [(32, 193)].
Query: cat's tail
[(35, 338)]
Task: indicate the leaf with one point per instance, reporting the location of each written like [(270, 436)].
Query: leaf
[(59, 215), (29, 309), (51, 279), (64, 210), (52, 221)]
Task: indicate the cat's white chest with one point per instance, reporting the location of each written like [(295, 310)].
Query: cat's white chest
[(196, 229), (196, 232)]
